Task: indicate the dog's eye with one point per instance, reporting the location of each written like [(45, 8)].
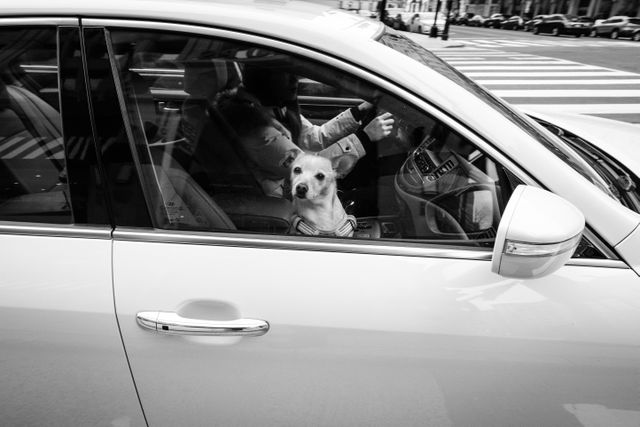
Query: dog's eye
[(320, 176), (297, 170)]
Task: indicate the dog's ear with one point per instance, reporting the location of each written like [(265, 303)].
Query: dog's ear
[(342, 165)]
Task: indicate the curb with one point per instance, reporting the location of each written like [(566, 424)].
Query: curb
[(432, 43)]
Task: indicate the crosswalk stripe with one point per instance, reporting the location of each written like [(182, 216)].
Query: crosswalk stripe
[(576, 67), (584, 108), (484, 43), (552, 74), (520, 78), (572, 82), (567, 93), (456, 63)]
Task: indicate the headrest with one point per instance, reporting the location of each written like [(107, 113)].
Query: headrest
[(205, 78)]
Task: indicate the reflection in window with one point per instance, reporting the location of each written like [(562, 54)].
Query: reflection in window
[(33, 176)]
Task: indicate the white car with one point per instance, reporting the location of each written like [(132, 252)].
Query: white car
[(147, 279)]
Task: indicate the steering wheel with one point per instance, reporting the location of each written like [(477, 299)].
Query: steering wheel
[(437, 218)]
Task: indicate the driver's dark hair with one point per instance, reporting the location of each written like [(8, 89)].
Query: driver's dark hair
[(256, 79)]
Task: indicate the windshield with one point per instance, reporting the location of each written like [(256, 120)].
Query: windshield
[(621, 182), (557, 146)]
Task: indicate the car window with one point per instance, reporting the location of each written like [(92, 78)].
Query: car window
[(214, 153), (635, 21), (33, 168)]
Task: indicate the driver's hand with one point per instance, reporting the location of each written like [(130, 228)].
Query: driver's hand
[(379, 127)]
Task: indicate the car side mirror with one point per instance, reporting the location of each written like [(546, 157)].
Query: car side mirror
[(538, 233)]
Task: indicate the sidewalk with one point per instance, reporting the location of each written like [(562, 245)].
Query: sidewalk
[(432, 43)]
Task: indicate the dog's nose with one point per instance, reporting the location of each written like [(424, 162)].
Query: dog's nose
[(301, 190)]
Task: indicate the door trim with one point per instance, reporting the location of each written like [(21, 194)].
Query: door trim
[(55, 230), (307, 243)]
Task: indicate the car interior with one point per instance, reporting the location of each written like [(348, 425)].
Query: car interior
[(423, 182)]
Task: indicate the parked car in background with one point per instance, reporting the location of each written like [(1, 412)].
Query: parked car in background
[(631, 32), (528, 26), (476, 21), (489, 276), (561, 25), (513, 23), (464, 18), (494, 20), (587, 20), (617, 26)]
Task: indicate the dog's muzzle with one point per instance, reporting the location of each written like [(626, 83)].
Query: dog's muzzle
[(301, 191)]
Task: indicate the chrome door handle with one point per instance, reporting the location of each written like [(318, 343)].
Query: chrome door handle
[(172, 323)]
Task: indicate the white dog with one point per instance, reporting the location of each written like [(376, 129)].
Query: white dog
[(318, 211)]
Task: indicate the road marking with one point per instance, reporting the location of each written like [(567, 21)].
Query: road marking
[(456, 63), (567, 93), (488, 43), (584, 108), (520, 78), (553, 74), (560, 82), (576, 67)]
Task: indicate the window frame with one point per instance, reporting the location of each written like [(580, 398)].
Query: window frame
[(275, 241)]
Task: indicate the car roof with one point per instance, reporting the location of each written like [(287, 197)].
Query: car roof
[(301, 20)]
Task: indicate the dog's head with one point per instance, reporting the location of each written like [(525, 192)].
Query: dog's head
[(314, 177)]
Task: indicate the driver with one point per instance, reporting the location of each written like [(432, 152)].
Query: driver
[(265, 115)]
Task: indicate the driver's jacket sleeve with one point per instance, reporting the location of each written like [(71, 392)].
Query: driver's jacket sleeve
[(271, 150)]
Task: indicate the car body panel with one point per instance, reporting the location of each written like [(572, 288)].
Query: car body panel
[(59, 332), (434, 340)]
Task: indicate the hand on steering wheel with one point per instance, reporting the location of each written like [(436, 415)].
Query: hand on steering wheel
[(380, 127)]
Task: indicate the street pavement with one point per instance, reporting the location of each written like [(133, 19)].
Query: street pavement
[(546, 83)]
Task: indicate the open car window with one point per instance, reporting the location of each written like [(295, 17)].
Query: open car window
[(202, 171)]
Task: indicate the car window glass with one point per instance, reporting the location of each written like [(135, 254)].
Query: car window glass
[(215, 156), (33, 170)]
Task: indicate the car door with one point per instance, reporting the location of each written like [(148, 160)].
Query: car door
[(401, 324), (607, 26), (62, 357)]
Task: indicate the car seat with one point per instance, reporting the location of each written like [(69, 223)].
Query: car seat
[(217, 162)]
